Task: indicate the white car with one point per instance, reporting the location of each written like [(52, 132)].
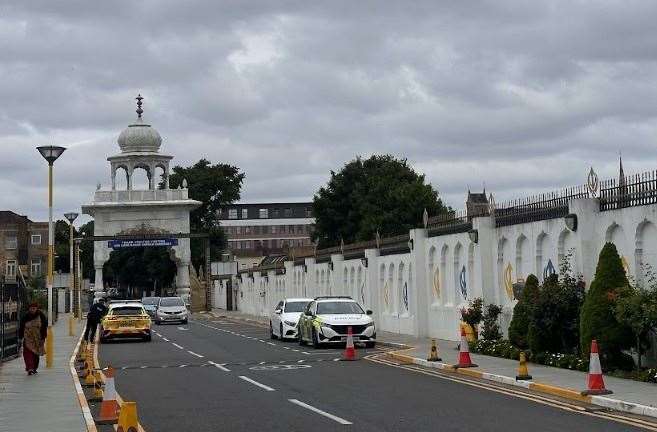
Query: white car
[(326, 321), (285, 318), (171, 309)]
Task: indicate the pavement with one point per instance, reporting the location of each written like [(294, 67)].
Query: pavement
[(46, 401), (219, 373)]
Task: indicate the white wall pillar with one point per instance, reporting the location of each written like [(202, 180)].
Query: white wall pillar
[(372, 287), (420, 287), (183, 287), (486, 258), (587, 211)]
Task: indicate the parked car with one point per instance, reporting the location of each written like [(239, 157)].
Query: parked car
[(171, 309), (150, 304), (285, 318), (125, 320), (326, 320)]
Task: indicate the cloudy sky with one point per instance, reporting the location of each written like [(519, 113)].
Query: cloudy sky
[(520, 95)]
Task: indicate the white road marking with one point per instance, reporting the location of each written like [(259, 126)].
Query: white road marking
[(262, 362), (182, 366), (176, 345), (287, 348), (271, 343), (165, 339), (306, 353), (300, 361), (183, 328), (262, 386), (194, 354), (295, 350), (320, 412), (143, 367), (219, 366), (336, 359)]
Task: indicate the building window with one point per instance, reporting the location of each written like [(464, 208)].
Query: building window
[(247, 230), (232, 213), (273, 229), (288, 212), (309, 212), (238, 230), (238, 245), (11, 242), (264, 214), (11, 268), (276, 213), (35, 267), (36, 239), (245, 213)]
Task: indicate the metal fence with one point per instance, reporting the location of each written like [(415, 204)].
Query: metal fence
[(13, 297), (630, 191)]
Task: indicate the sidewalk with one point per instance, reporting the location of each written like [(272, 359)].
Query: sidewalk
[(626, 392), (43, 402)]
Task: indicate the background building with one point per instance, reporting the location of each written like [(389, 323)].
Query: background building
[(258, 230), (23, 243)]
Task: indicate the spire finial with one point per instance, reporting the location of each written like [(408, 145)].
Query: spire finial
[(139, 110)]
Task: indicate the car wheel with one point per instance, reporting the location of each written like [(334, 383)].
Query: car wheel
[(316, 343), (147, 338), (185, 321), (271, 331), (280, 332)]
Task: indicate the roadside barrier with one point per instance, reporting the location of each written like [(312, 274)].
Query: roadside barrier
[(81, 354), (349, 350), (464, 353), (98, 388), (89, 379), (595, 383), (109, 407), (128, 418), (523, 373), (433, 354)]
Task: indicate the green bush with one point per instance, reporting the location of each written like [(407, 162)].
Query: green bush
[(598, 320), (473, 314), (491, 328), (519, 326)]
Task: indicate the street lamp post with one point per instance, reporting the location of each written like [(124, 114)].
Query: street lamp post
[(71, 216), (50, 154)]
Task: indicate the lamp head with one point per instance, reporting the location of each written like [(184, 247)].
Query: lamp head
[(51, 153), (71, 216)]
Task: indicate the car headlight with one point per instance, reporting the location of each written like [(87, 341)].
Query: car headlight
[(290, 323), (369, 324)]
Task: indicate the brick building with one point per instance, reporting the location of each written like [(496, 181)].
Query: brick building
[(23, 243)]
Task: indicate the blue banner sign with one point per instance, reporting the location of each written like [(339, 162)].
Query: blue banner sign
[(119, 244)]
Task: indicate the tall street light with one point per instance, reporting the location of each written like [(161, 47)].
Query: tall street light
[(71, 216), (50, 154)]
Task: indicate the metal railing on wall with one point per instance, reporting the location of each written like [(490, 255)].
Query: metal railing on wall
[(12, 300), (633, 190)]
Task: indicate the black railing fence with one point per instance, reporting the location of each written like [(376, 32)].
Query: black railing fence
[(13, 297), (633, 190)]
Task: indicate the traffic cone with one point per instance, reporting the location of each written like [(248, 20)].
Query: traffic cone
[(433, 355), (523, 373), (349, 351), (595, 383), (128, 418), (109, 407), (464, 353)]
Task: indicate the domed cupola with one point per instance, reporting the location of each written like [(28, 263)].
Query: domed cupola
[(139, 136)]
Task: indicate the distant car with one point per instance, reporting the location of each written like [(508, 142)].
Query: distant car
[(326, 321), (285, 318), (171, 309), (150, 304), (125, 320)]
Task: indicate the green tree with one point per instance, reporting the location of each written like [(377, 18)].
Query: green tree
[(473, 314), (380, 193), (87, 251), (214, 186), (519, 327), (62, 246), (491, 328), (149, 268), (598, 320), (636, 308)]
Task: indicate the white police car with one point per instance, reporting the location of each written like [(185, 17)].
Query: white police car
[(326, 320), (283, 322)]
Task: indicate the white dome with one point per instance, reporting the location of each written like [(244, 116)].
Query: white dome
[(139, 137)]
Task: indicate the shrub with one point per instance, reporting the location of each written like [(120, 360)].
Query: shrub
[(491, 330), (598, 320), (519, 326), (473, 314)]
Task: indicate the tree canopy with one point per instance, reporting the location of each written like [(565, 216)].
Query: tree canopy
[(380, 193), (144, 267)]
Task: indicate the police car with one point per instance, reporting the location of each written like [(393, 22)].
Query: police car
[(326, 319)]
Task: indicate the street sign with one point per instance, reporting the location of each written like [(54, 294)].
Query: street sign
[(119, 244)]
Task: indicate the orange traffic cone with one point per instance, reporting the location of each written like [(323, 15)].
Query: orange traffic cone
[(595, 383), (349, 351), (464, 353), (109, 407)]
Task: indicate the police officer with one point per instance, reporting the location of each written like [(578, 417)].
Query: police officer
[(96, 313)]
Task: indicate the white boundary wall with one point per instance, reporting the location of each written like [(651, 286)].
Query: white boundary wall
[(420, 293)]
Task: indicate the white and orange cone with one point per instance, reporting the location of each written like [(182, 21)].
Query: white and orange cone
[(464, 353), (349, 350), (109, 407), (595, 384)]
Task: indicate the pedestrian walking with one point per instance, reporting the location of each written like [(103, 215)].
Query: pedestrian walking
[(96, 313), (33, 331)]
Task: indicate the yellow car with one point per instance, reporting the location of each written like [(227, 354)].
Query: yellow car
[(126, 320)]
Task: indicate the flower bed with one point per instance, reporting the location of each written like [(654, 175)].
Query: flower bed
[(504, 348)]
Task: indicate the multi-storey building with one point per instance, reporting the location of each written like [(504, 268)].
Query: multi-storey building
[(23, 243), (258, 230)]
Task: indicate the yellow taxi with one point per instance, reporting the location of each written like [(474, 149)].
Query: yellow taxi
[(126, 320)]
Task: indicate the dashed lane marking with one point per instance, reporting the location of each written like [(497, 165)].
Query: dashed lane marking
[(320, 412), (219, 366), (222, 366), (165, 339), (182, 366), (256, 383), (176, 345), (271, 343), (280, 367), (195, 354)]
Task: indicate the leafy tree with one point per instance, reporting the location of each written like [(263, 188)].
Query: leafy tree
[(380, 193), (62, 246), (473, 314), (491, 330), (636, 308), (598, 320), (214, 186), (149, 268), (87, 251), (519, 327)]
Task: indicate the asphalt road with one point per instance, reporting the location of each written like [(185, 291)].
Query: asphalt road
[(218, 375)]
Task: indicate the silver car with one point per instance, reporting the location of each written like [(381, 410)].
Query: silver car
[(171, 309)]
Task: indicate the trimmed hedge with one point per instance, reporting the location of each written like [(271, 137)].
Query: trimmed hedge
[(519, 327)]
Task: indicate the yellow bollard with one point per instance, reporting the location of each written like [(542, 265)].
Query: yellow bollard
[(128, 418), (98, 388), (90, 379), (49, 346), (433, 355), (70, 325), (523, 373)]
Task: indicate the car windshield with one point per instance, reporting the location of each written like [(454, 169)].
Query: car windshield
[(150, 300), (127, 310), (171, 301), (339, 308), (295, 306)]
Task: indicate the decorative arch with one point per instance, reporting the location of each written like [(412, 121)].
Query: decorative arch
[(645, 243), (125, 175), (460, 288), (401, 307), (522, 253), (540, 240), (442, 295), (471, 266), (433, 275)]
